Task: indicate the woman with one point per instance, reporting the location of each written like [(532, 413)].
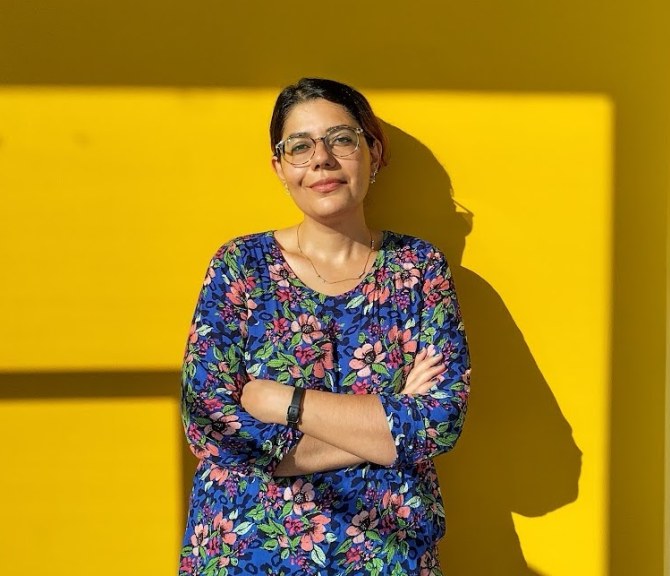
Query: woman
[(326, 366)]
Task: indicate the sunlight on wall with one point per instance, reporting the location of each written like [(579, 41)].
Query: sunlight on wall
[(94, 484), (117, 199)]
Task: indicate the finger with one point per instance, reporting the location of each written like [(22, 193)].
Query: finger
[(424, 375), (426, 387), (422, 366), (426, 361)]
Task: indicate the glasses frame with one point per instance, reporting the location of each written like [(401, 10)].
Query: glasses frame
[(281, 150)]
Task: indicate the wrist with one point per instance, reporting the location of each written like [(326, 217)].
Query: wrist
[(294, 409)]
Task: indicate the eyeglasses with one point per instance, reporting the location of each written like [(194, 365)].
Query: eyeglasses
[(340, 141)]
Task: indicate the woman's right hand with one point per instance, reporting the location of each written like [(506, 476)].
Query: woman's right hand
[(426, 372)]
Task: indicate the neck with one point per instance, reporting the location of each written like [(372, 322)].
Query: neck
[(334, 243)]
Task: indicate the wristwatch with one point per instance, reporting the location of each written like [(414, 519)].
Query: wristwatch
[(294, 409)]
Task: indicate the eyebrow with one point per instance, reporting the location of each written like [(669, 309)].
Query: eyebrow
[(296, 135), (301, 134)]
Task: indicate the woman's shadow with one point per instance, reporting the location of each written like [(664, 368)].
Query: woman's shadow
[(516, 453)]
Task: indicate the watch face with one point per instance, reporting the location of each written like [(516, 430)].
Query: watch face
[(293, 414)]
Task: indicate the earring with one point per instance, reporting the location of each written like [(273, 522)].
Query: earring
[(373, 176), (288, 192)]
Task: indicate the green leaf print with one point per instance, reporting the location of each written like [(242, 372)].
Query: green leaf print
[(355, 302), (318, 557)]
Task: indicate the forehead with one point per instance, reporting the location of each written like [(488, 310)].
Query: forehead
[(315, 117)]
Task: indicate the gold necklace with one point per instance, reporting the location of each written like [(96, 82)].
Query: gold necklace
[(365, 266)]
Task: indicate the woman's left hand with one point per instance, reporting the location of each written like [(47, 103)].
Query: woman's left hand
[(266, 400)]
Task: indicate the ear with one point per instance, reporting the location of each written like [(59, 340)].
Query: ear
[(279, 170), (375, 156)]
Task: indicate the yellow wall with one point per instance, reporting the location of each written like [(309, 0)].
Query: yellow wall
[(128, 236), (549, 121)]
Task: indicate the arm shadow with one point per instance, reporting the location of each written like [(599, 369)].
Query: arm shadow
[(516, 453)]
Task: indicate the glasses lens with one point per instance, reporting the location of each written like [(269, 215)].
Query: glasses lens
[(298, 149), (342, 142)]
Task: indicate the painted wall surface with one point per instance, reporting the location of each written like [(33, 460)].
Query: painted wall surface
[(121, 172), (129, 235)]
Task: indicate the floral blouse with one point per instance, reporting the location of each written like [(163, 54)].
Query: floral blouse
[(256, 318)]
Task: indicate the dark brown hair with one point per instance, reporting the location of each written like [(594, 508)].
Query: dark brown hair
[(349, 98)]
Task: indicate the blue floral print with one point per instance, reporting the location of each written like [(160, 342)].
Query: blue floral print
[(256, 318)]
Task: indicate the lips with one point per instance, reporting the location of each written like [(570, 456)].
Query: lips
[(326, 185)]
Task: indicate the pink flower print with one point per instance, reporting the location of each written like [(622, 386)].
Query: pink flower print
[(466, 377), (428, 564), (280, 329), (323, 360), (353, 555), (205, 451), (305, 355), (294, 371), (222, 426), (365, 357), (192, 334), (283, 541), (361, 523), (361, 387), (218, 475), (376, 292), (213, 404), (315, 533), (225, 528), (208, 277), (309, 326), (213, 547), (401, 343), (273, 491), (435, 289), (250, 283), (237, 294), (395, 358), (187, 565), (403, 339), (408, 255), (395, 503), (293, 525), (408, 277), (280, 274), (302, 495), (238, 297), (199, 538), (193, 433), (283, 295)]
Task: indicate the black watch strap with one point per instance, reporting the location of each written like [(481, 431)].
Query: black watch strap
[(294, 409)]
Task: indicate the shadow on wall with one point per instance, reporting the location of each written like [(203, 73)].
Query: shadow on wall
[(516, 453)]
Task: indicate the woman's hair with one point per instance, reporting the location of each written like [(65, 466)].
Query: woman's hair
[(314, 88)]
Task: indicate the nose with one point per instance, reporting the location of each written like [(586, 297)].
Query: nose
[(322, 156)]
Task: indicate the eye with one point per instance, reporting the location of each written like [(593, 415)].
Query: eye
[(298, 146), (342, 138)]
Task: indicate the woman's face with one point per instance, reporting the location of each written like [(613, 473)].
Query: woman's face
[(326, 187)]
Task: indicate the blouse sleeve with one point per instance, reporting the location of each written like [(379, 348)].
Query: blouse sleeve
[(214, 373), (424, 426)]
